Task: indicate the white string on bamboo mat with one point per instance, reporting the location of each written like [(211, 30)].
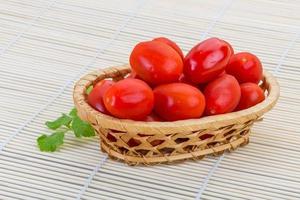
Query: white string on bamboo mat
[(218, 161), (99, 51), (220, 14), (27, 28), (285, 53), (90, 178), (206, 180)]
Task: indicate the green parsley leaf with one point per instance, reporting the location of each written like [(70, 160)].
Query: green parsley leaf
[(73, 112), (89, 89), (50, 143), (82, 128), (72, 122), (64, 120)]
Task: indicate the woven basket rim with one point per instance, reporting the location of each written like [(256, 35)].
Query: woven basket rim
[(216, 121)]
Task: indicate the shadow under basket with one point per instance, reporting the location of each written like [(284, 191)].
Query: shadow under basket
[(138, 142)]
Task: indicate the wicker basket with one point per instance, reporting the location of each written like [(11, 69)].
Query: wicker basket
[(138, 142)]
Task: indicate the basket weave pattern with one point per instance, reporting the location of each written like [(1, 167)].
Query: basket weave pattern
[(155, 142)]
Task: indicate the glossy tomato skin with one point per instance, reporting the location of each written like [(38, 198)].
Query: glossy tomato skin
[(202, 86), (156, 62), (171, 44), (95, 98), (222, 95), (207, 60), (245, 67), (178, 101), (129, 99), (251, 94)]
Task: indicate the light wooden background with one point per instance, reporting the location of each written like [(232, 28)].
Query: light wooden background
[(46, 45)]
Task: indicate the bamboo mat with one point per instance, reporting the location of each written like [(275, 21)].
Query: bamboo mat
[(47, 45)]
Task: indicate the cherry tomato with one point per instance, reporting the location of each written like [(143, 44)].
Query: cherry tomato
[(129, 99), (171, 44), (202, 86), (251, 94), (156, 62), (245, 67), (222, 95), (207, 60), (178, 101), (96, 95)]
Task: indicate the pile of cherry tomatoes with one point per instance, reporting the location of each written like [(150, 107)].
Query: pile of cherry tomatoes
[(165, 85)]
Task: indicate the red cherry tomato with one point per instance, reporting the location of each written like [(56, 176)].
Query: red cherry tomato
[(202, 86), (156, 62), (129, 99), (207, 60), (251, 94), (222, 95), (96, 95), (171, 44), (178, 101), (245, 67)]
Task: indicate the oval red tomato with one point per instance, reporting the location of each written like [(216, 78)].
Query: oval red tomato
[(251, 94), (156, 62), (207, 60), (245, 67), (129, 99), (171, 44), (178, 101), (222, 95), (96, 95)]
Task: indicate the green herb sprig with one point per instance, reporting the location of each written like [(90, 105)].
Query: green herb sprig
[(65, 123)]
